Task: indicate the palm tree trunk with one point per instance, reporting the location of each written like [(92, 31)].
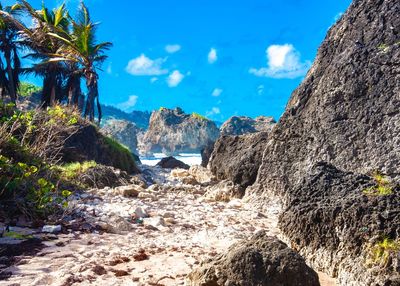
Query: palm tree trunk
[(10, 74)]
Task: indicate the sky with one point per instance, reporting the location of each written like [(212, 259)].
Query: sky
[(218, 58)]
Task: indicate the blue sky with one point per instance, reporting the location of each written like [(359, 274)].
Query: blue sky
[(217, 58)]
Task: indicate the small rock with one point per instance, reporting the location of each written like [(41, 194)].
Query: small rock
[(99, 270), (154, 222), (235, 204), (51, 228), (140, 212), (128, 191)]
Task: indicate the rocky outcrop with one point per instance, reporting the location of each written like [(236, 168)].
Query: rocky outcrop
[(333, 220), (239, 125), (261, 261), (125, 132), (173, 131), (346, 113), (238, 158), (206, 154), (172, 163)]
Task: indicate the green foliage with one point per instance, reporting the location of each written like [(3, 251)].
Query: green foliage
[(122, 156), (15, 235), (58, 113), (26, 89), (41, 196), (383, 47), (383, 186), (381, 252), (199, 116), (73, 170), (162, 108)]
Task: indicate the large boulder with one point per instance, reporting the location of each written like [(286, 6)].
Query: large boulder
[(171, 131), (346, 113), (260, 261), (206, 153), (237, 158), (125, 132), (172, 163), (239, 125), (333, 219)]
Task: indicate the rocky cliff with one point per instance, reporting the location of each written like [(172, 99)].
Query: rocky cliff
[(345, 113), (239, 125), (172, 131), (123, 131), (237, 158)]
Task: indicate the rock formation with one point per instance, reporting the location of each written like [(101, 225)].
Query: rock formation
[(263, 261), (125, 132), (172, 163), (239, 125), (346, 113), (238, 158), (173, 131)]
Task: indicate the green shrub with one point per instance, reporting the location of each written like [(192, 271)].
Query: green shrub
[(120, 154), (27, 89), (199, 116), (381, 252), (383, 186), (73, 170)]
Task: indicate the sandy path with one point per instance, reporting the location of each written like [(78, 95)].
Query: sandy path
[(183, 230)]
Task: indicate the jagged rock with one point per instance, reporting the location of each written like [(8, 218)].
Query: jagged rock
[(347, 113), (125, 132), (328, 212), (239, 125), (224, 191), (237, 158), (128, 191), (261, 261), (173, 132), (201, 174), (101, 176), (206, 153), (172, 163)]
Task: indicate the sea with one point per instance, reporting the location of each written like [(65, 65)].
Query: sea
[(190, 159)]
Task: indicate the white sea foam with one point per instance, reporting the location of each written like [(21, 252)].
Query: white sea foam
[(187, 158)]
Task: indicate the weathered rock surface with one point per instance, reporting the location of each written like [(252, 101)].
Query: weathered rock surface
[(238, 158), (172, 163), (125, 132), (173, 131), (102, 176), (206, 153), (260, 261), (346, 113), (239, 125), (329, 212)]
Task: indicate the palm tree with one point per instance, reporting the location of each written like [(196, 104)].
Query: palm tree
[(9, 44), (82, 48), (45, 48)]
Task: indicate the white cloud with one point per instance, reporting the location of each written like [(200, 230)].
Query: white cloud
[(131, 102), (212, 56), (172, 48), (214, 111), (153, 79), (175, 78), (217, 92), (143, 65), (283, 61)]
